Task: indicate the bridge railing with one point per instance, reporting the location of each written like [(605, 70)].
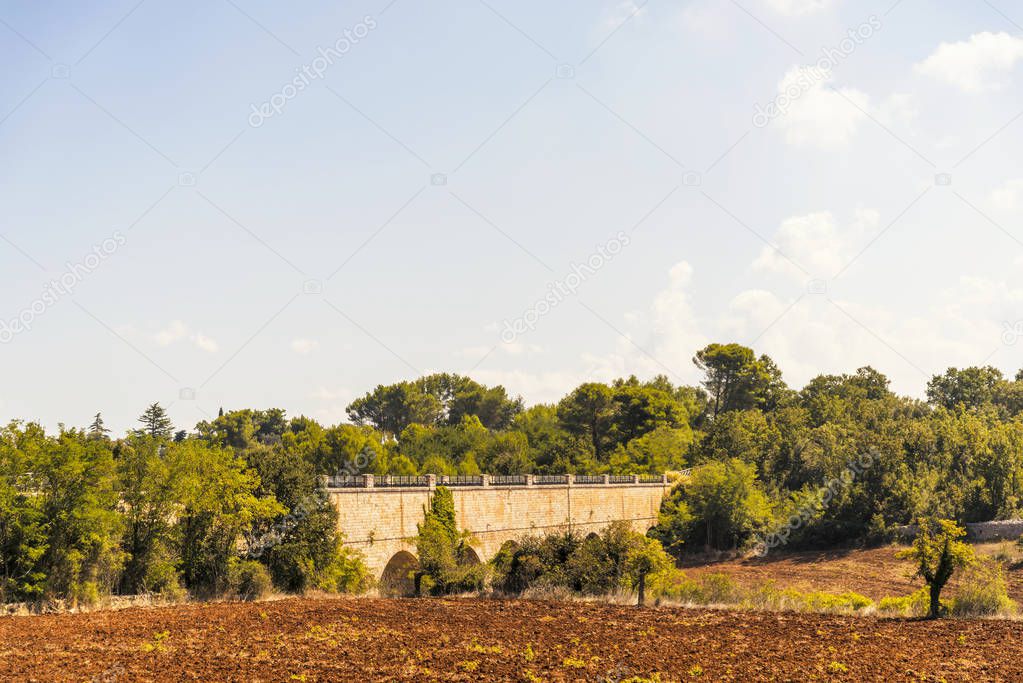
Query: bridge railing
[(344, 481), (430, 481), (550, 479), (404, 481), (461, 480), (508, 480)]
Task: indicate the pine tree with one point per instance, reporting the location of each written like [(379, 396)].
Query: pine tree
[(97, 430), (155, 422)]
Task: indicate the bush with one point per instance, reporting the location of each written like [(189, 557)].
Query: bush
[(720, 588), (346, 574), (249, 580), (162, 579), (914, 605), (982, 592)]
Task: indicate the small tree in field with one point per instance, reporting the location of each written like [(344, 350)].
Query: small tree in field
[(938, 551), (645, 558)]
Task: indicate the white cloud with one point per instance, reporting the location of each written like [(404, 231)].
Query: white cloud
[(806, 335), (815, 242), (796, 8), (177, 330), (819, 116), (325, 394), (205, 343), (813, 113), (304, 346), (979, 64), (1009, 195), (172, 333)]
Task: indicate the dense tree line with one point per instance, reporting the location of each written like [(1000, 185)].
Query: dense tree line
[(82, 515), (160, 509)]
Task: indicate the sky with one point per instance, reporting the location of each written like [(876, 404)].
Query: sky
[(242, 203)]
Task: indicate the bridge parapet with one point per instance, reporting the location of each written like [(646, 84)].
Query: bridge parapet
[(430, 481)]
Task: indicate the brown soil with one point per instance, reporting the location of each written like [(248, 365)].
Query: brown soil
[(875, 573), (469, 640)]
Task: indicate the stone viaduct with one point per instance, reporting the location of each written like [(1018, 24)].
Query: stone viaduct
[(379, 515)]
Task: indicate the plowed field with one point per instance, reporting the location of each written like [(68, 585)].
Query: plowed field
[(470, 640)]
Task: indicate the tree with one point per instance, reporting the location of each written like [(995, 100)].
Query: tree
[(446, 560), (393, 408), (221, 502), (938, 551), (722, 503), (645, 558), (970, 387), (588, 412), (155, 422), (737, 380), (153, 490), (97, 430)]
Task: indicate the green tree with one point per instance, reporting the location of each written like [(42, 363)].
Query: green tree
[(23, 541), (722, 503), (447, 562), (97, 430), (220, 505), (153, 487), (73, 477), (393, 408), (736, 379), (644, 559), (971, 387), (588, 413), (938, 551), (155, 422)]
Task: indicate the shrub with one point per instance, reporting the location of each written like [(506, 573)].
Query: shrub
[(347, 573), (820, 601), (162, 579), (249, 580), (982, 592), (720, 588), (914, 605)]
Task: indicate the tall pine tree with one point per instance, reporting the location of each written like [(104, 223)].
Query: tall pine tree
[(155, 422)]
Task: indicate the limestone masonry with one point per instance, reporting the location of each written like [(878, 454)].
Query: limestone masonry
[(379, 517)]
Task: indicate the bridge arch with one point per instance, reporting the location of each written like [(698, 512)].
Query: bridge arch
[(470, 557), (397, 579)]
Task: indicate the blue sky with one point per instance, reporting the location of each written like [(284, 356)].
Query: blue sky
[(458, 161)]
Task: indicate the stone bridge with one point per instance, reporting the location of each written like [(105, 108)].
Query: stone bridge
[(379, 515)]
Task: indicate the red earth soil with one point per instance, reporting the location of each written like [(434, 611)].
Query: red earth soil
[(875, 573), (356, 639)]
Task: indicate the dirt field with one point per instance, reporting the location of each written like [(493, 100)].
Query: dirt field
[(470, 640), (876, 572)]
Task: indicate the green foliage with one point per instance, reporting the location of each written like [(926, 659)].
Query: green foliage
[(982, 591), (84, 512), (448, 564), (721, 505), (249, 580), (938, 551), (737, 380), (155, 422), (917, 604), (600, 564)]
